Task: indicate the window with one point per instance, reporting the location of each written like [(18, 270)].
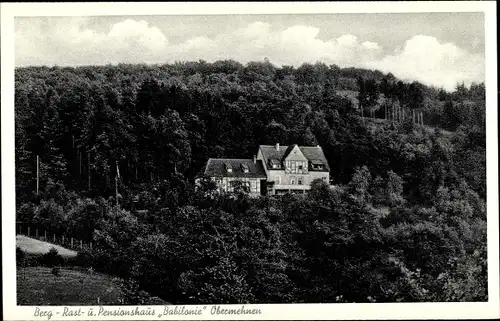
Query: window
[(244, 168), (292, 180), (277, 179), (317, 164), (253, 185), (300, 180), (275, 163)]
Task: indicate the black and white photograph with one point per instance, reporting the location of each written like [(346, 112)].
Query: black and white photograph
[(167, 164)]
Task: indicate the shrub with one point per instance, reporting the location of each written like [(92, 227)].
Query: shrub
[(52, 258), (25, 212), (56, 271), (84, 258), (20, 256), (131, 293), (33, 259)]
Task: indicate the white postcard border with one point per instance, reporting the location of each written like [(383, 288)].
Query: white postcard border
[(488, 309)]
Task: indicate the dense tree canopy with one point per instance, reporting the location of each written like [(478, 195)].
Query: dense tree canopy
[(405, 220)]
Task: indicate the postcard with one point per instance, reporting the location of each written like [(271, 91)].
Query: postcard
[(249, 161)]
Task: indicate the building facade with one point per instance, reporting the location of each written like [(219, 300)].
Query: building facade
[(293, 168), (231, 174), (275, 170)]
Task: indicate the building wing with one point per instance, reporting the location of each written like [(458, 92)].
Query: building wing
[(276, 153), (244, 168), (316, 157), (272, 154)]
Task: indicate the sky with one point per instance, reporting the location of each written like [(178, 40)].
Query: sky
[(437, 49)]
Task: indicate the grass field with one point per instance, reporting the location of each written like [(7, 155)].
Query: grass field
[(33, 246), (38, 286)]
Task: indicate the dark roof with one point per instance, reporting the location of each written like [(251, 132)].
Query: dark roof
[(288, 150), (216, 168), (310, 152)]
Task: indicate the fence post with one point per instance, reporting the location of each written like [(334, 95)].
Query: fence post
[(71, 242), (28, 231), (63, 240), (53, 238), (90, 245), (36, 233), (81, 244), (45, 235)]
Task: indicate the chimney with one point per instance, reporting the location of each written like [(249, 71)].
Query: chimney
[(254, 159), (278, 147)]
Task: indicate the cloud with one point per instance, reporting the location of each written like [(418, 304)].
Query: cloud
[(425, 59), (67, 42)]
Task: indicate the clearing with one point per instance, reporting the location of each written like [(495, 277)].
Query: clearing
[(33, 246), (73, 286), (38, 286)]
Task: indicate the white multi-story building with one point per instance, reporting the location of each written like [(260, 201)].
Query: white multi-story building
[(275, 170)]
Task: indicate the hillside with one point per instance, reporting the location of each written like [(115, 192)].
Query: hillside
[(115, 150), (33, 246), (38, 286)]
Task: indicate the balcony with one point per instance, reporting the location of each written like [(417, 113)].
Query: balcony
[(296, 171), (291, 187)]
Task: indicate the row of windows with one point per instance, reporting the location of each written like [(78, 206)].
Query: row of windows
[(247, 185), (296, 166), (293, 180)]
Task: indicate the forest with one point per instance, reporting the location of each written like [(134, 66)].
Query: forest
[(109, 154)]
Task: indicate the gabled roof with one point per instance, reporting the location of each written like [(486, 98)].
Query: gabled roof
[(315, 153), (288, 150), (216, 167)]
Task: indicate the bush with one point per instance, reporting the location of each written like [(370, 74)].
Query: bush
[(56, 271), (33, 259), (25, 212), (52, 258), (132, 294), (84, 258), (20, 256)]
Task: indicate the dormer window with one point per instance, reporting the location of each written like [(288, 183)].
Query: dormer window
[(317, 164), (228, 167), (244, 168), (275, 163)]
